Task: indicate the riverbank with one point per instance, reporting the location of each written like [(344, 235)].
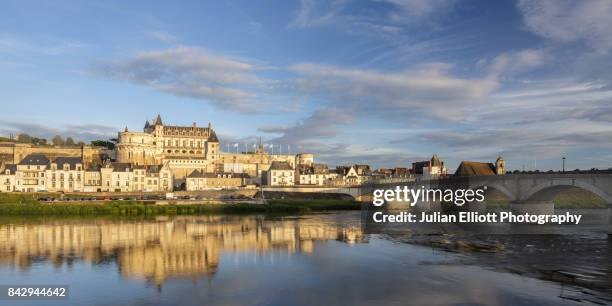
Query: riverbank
[(17, 205)]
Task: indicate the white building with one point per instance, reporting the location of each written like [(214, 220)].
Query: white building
[(199, 180), (7, 178), (65, 174), (30, 173), (280, 174), (315, 174)]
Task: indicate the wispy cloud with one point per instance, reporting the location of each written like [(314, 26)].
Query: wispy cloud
[(46, 46), (192, 72), (320, 125), (427, 90), (514, 62), (385, 17), (162, 36), (569, 21)]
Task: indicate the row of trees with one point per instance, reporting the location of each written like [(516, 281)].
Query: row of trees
[(58, 140)]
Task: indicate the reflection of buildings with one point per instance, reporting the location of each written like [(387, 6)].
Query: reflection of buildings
[(157, 250)]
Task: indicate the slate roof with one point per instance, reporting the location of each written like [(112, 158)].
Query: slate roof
[(213, 137), (280, 165), (120, 167), (314, 169), (35, 159), (71, 161), (11, 167), (435, 161), (470, 168), (158, 120)]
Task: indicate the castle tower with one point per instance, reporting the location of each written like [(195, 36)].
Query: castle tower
[(212, 146), (500, 166)]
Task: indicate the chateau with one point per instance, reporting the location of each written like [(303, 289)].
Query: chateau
[(180, 147), (184, 149)]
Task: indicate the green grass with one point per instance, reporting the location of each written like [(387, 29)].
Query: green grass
[(19, 198), (16, 205)]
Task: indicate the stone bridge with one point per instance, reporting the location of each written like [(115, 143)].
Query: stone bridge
[(531, 193)]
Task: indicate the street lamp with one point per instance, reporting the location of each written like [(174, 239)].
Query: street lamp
[(563, 158)]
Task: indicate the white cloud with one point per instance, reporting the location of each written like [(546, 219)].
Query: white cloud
[(515, 62), (191, 72), (428, 90), (320, 124), (569, 21), (379, 19)]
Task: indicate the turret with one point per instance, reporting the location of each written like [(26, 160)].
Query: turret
[(500, 166), (158, 120)]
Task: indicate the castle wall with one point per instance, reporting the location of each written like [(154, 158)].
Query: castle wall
[(15, 152)]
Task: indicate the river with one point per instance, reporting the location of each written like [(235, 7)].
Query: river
[(319, 259)]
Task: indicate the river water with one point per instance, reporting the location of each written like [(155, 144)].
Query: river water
[(320, 259)]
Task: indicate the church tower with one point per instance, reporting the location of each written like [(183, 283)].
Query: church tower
[(500, 166)]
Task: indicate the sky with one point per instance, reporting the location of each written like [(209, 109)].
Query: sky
[(382, 82)]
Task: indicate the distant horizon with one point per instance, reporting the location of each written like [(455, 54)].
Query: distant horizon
[(250, 145)]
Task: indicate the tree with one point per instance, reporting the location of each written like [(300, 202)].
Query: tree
[(39, 141), (70, 141), (103, 143), (81, 144), (24, 138), (58, 140)]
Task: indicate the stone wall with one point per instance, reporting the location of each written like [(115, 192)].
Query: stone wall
[(15, 152)]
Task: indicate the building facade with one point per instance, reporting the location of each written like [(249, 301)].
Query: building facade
[(7, 178), (314, 174), (198, 181), (183, 148), (280, 174), (430, 169), (30, 173)]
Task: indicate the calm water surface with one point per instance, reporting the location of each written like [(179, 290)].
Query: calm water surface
[(304, 260)]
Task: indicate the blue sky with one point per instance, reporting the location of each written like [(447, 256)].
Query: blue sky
[(385, 82)]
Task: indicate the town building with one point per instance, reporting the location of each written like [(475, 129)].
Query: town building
[(197, 180), (352, 175), (314, 174), (7, 178), (92, 179), (471, 168), (30, 173), (280, 174), (429, 169), (65, 174)]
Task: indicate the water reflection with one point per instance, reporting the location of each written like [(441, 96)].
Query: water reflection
[(155, 250), (305, 260)]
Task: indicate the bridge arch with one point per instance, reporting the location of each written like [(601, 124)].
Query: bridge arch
[(547, 191), (496, 187)]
